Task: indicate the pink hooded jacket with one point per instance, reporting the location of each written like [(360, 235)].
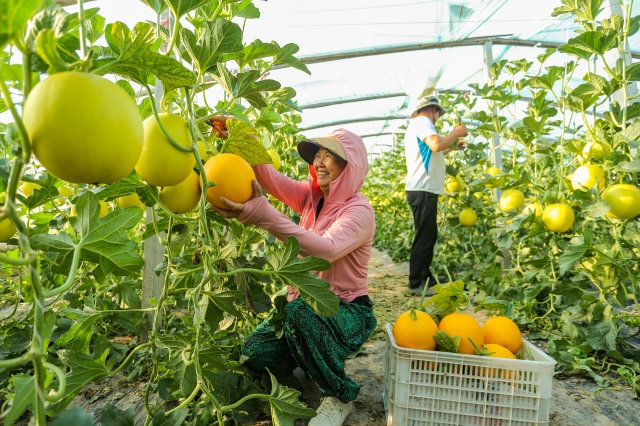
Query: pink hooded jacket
[(342, 233)]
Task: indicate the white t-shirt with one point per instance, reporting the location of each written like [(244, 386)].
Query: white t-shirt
[(425, 168)]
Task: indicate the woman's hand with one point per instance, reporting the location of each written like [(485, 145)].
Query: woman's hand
[(233, 210)]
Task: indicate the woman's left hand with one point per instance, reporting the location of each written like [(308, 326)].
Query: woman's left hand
[(233, 210)]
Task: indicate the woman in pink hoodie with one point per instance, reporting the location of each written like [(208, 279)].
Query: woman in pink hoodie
[(337, 223)]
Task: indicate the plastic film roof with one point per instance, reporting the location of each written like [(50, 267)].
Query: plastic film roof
[(389, 84)]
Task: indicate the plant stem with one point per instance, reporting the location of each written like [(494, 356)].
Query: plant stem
[(62, 387), (126, 361), (166, 134), (174, 36), (14, 362), (72, 274)]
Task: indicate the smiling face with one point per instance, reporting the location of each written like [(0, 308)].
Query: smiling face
[(328, 168)]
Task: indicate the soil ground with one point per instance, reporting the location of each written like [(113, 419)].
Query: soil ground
[(576, 400)]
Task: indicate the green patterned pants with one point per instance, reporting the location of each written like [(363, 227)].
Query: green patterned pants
[(319, 345)]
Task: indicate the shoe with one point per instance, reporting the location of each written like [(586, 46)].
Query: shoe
[(331, 412), (418, 290)]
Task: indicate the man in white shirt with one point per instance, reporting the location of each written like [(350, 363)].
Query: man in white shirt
[(425, 152)]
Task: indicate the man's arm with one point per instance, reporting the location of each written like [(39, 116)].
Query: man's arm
[(459, 147), (440, 143)]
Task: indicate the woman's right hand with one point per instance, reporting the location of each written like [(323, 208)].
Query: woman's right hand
[(235, 209)]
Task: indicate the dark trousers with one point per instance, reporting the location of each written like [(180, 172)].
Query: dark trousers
[(424, 206)]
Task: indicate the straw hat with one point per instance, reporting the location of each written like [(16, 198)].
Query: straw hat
[(425, 102), (309, 147)]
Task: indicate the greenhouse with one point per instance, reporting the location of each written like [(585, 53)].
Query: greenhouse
[(252, 212)]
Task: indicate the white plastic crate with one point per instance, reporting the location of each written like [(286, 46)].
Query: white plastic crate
[(429, 388)]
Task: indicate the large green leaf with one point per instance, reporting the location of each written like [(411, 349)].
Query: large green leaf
[(123, 187), (570, 257), (110, 415), (245, 9), (296, 271), (181, 7), (134, 53), (286, 57), (176, 418), (225, 301), (47, 49), (25, 395), (258, 50), (589, 43), (242, 143), (315, 291), (14, 15), (75, 416), (216, 38), (102, 240), (84, 369), (157, 5), (77, 339), (286, 407)]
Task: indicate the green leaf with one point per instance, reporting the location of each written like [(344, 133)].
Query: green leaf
[(449, 298), (225, 301), (75, 416), (95, 28), (14, 15), (596, 208), (630, 134), (84, 369), (47, 49), (110, 415), (286, 57), (245, 9), (286, 407), (157, 5), (258, 50), (314, 290), (216, 38), (176, 418), (570, 257), (589, 43), (25, 396), (51, 18), (121, 188), (629, 166), (243, 144), (77, 339), (602, 335), (102, 241), (60, 244), (134, 57), (571, 293), (446, 343), (181, 7)]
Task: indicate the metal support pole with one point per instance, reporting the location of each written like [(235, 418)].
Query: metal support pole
[(152, 284), (496, 151)]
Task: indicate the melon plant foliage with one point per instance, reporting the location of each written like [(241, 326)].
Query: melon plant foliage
[(577, 290), (73, 311)]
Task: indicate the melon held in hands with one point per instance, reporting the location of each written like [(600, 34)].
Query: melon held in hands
[(233, 177)]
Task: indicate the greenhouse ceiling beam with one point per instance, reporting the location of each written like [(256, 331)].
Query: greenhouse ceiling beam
[(475, 41), (356, 120), (349, 100)]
